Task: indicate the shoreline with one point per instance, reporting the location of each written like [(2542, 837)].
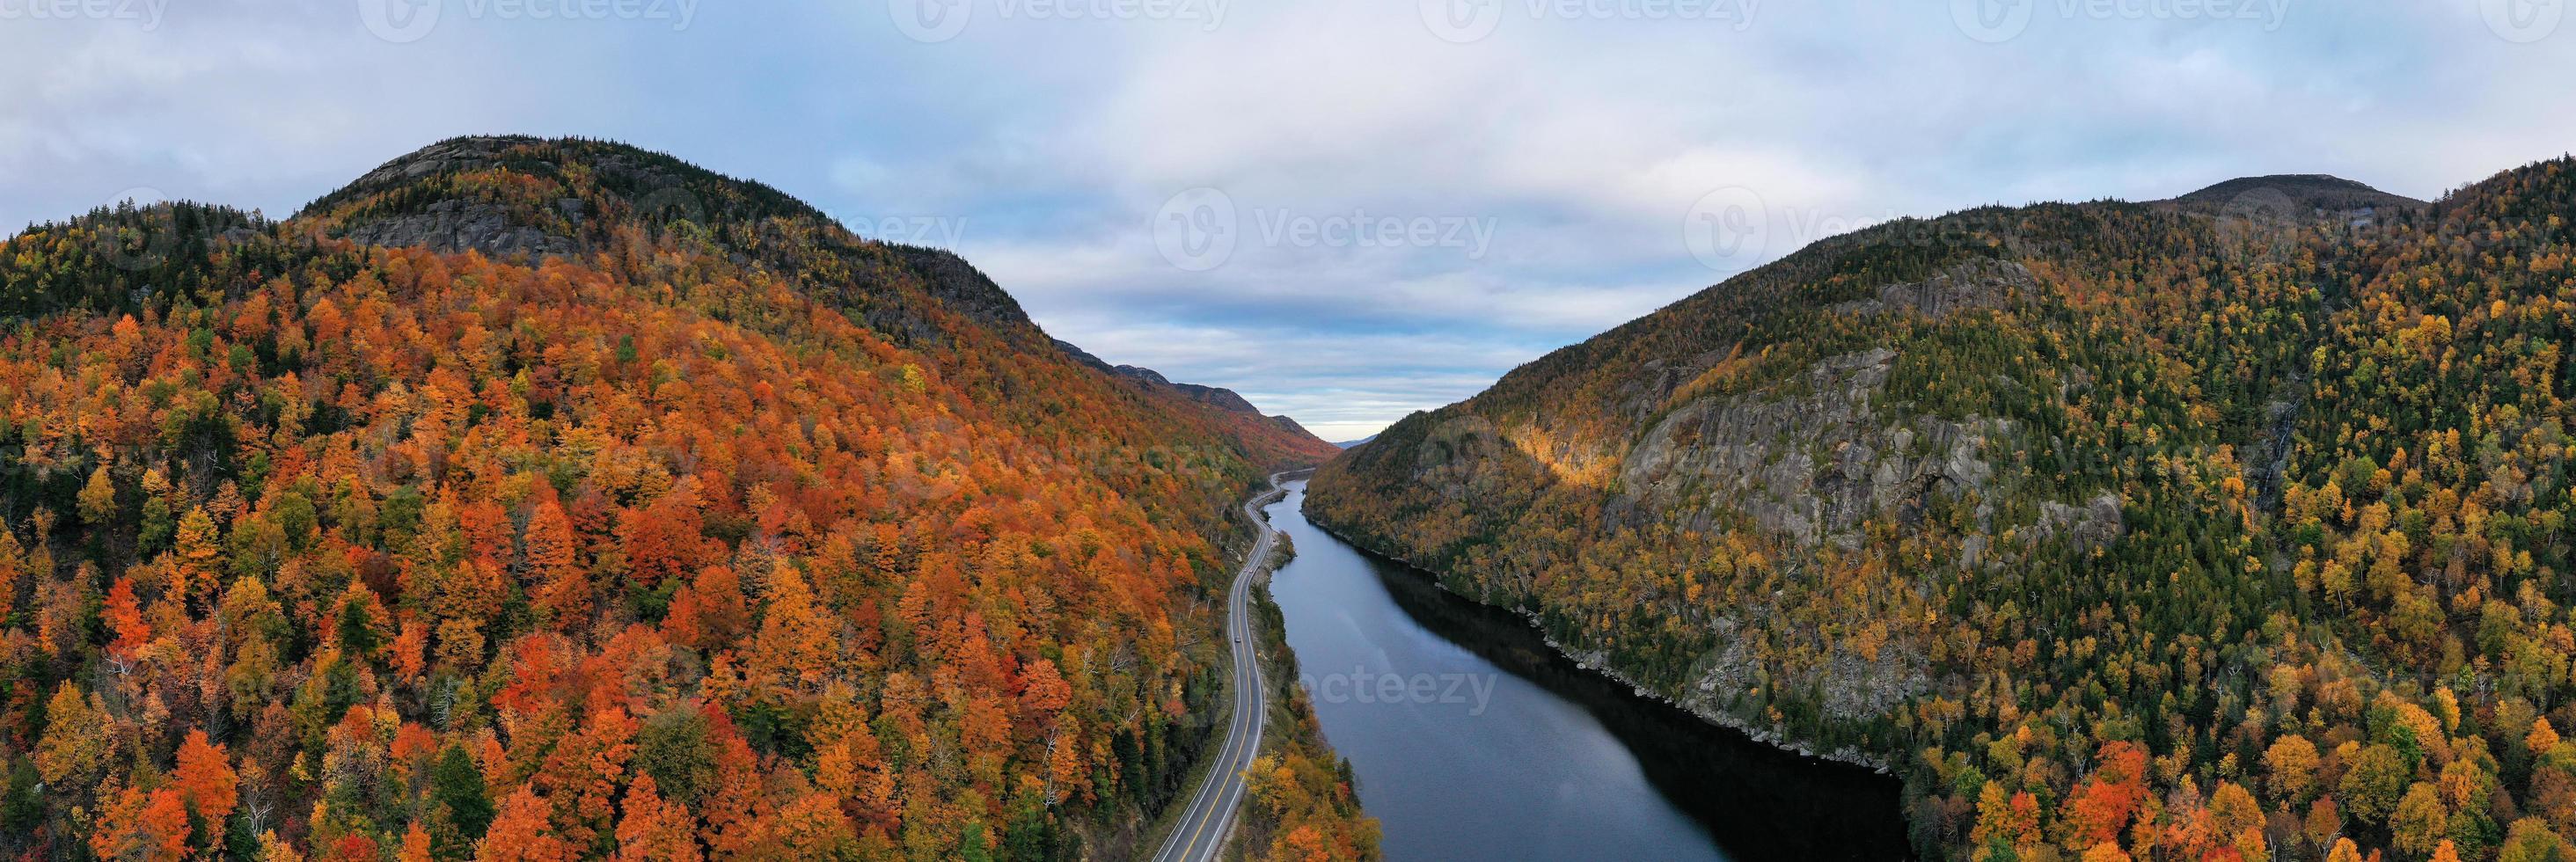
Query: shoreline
[(1592, 662)]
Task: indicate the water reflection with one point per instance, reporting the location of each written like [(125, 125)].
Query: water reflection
[(1471, 738)]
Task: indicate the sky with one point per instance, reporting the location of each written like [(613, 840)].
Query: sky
[(1347, 210)]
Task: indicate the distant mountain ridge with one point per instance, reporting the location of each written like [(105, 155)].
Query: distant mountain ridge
[(1213, 396), (1220, 398)]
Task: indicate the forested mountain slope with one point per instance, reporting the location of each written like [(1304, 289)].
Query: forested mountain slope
[(555, 499), (1290, 443), (2221, 527)]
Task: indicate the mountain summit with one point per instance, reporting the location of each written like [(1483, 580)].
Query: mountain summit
[(504, 195), (509, 195), (2320, 192), (523, 197), (1218, 397)]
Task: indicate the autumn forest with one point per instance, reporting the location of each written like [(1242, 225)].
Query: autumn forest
[(542, 500), (554, 499), (2228, 527)]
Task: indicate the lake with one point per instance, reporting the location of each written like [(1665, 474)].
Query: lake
[(1471, 738)]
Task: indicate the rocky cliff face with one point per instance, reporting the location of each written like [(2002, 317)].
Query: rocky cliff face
[(1809, 461), (458, 224), (1814, 457), (1809, 465), (1832, 444), (1966, 286), (454, 226), (505, 195)]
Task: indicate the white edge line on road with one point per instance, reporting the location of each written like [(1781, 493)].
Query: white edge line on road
[(1214, 803)]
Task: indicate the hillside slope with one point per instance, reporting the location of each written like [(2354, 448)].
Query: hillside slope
[(1275, 440), (505, 196), (549, 499), (2227, 525)]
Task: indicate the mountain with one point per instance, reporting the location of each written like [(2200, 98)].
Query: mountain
[(546, 498), (1279, 439), (2186, 529), (2318, 193), (1222, 399), (439, 198), (1347, 444)]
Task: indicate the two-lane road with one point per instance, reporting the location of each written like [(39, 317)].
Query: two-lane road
[(1202, 827)]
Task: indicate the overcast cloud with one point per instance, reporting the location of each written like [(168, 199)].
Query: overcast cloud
[(1346, 210)]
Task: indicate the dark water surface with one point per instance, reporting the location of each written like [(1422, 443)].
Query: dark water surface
[(1472, 739)]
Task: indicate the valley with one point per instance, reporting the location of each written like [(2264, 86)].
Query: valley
[(538, 499), (1117, 431)]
